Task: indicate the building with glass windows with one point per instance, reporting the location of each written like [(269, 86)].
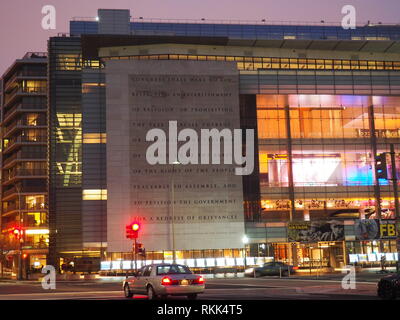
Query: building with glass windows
[(322, 102), (24, 162)]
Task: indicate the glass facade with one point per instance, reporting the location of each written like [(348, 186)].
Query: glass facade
[(332, 157), (319, 121), (248, 30), (65, 147)]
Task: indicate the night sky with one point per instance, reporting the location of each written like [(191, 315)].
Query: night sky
[(20, 20)]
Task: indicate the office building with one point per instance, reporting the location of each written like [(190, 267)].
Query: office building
[(24, 160), (322, 101)]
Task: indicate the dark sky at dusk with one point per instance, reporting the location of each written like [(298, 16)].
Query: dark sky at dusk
[(20, 20)]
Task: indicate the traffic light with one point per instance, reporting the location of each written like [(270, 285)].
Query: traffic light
[(139, 249), (132, 230), (381, 166), (128, 232), (17, 233)]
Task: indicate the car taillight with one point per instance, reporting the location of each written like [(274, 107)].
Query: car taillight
[(199, 280), (295, 268), (166, 281)]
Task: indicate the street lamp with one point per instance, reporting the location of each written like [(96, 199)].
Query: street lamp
[(245, 241), (175, 163)]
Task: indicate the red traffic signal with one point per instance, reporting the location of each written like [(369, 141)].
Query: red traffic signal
[(132, 230), (17, 232)]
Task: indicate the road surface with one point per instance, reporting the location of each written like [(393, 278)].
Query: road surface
[(265, 288)]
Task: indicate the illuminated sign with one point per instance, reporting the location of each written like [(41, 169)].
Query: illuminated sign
[(387, 229)]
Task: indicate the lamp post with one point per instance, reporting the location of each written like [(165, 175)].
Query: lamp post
[(20, 239), (175, 163), (245, 241)]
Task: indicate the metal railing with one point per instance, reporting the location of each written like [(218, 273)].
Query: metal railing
[(24, 123), (33, 139), (13, 190), (25, 156), (264, 21), (24, 173), (19, 90), (23, 107), (31, 55), (25, 206)]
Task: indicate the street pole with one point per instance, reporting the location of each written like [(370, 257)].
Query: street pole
[(19, 276), (396, 202), (245, 241), (173, 211), (173, 217), (245, 257), (134, 254)]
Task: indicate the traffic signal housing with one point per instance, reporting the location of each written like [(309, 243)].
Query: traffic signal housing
[(132, 230), (381, 166), (140, 249), (17, 233)]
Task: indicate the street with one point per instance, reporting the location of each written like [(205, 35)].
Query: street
[(265, 288)]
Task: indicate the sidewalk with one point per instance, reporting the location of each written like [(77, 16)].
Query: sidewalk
[(365, 275)]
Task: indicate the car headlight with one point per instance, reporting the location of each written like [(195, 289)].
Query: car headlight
[(250, 270)]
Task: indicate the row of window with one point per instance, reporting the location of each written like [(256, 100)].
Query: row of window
[(255, 63)]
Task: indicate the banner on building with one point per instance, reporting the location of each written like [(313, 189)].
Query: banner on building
[(373, 229), (313, 231)]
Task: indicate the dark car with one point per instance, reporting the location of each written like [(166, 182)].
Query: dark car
[(270, 269), (389, 287)]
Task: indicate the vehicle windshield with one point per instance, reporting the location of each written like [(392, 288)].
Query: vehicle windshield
[(173, 269)]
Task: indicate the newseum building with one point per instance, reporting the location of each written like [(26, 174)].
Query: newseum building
[(321, 103)]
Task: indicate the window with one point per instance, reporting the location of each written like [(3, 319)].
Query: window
[(302, 63), (94, 194), (69, 62), (363, 65), (140, 272), (354, 65), (275, 63), (311, 64), (328, 64), (337, 64), (371, 65), (94, 138), (320, 64), (294, 64), (285, 63), (147, 271), (346, 64), (172, 269)]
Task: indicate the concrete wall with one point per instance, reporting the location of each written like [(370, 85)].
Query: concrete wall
[(142, 95)]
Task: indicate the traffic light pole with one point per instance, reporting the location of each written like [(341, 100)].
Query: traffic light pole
[(134, 252), (20, 238), (396, 202)]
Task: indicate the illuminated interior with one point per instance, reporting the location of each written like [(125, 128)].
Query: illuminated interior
[(69, 137), (94, 194), (318, 126)]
